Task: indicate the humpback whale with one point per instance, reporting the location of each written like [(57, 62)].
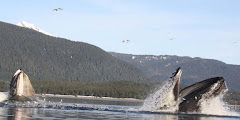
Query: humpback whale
[(188, 99), (21, 88), (190, 96)]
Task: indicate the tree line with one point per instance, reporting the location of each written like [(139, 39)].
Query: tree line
[(116, 89)]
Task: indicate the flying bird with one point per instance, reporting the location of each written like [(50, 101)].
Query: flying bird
[(126, 41), (56, 9), (171, 36)]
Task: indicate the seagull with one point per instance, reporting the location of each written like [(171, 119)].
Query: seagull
[(56, 9), (126, 41), (171, 35)]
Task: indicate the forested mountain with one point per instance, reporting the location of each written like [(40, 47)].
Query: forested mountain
[(44, 57), (194, 69)]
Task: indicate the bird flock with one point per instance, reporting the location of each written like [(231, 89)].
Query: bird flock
[(127, 41)]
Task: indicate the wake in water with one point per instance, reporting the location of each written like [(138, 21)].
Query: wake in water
[(89, 107)]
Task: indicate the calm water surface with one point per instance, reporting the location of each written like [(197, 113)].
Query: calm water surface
[(119, 110)]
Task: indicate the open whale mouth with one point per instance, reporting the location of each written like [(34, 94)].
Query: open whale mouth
[(14, 83), (20, 87), (190, 96), (216, 84)]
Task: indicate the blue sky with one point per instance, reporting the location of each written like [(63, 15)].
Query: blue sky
[(200, 28)]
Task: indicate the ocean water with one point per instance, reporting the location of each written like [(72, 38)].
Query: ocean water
[(160, 105), (96, 109)]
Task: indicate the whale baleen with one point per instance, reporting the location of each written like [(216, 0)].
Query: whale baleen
[(190, 96)]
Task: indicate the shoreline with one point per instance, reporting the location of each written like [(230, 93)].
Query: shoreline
[(90, 97)]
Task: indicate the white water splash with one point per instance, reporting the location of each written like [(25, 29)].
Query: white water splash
[(3, 96), (162, 99), (215, 105)]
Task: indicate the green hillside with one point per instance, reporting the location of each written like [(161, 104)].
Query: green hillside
[(50, 58)]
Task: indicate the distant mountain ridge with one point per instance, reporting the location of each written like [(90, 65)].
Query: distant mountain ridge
[(159, 68), (44, 57)]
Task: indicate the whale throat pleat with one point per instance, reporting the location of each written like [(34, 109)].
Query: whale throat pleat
[(20, 85)]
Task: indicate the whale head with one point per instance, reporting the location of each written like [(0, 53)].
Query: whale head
[(20, 87)]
